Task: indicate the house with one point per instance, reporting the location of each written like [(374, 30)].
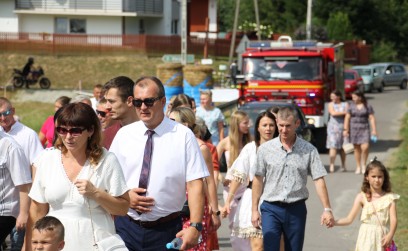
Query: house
[(101, 17)]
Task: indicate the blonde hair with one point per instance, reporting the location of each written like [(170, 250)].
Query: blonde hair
[(206, 92), (185, 115), (201, 128), (235, 140)]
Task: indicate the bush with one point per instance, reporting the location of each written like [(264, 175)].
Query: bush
[(383, 52)]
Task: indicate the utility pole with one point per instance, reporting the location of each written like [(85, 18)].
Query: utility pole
[(258, 33), (234, 33), (183, 32), (207, 21), (309, 20)]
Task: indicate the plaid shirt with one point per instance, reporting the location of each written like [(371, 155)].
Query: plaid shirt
[(286, 172)]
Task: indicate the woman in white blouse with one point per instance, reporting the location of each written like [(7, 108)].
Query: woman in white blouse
[(243, 171), (77, 180)]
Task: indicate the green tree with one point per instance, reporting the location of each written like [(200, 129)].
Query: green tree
[(339, 27)]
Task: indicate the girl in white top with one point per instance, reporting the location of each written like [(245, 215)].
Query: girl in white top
[(379, 210), (242, 173), (231, 146)]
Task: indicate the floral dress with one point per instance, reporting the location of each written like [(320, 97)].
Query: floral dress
[(335, 127), (370, 233)]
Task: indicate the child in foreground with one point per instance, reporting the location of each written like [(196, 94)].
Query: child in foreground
[(48, 234), (379, 215)]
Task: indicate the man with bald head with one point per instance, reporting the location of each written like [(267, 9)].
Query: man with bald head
[(173, 162)]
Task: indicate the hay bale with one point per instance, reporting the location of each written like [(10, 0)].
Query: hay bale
[(170, 74), (196, 74)]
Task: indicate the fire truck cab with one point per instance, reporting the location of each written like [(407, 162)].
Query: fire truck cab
[(305, 72)]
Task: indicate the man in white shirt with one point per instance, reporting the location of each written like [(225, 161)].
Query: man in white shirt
[(29, 142), (15, 180), (176, 164), (98, 94)]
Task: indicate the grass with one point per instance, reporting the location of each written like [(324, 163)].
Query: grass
[(399, 175), (65, 72)]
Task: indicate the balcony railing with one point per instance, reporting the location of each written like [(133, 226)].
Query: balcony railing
[(139, 6)]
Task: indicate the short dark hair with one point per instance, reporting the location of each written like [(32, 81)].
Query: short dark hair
[(63, 100), (140, 82), (123, 84), (286, 111), (52, 224)]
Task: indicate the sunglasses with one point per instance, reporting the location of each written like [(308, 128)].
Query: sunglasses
[(149, 102), (6, 113), (101, 113), (74, 131)]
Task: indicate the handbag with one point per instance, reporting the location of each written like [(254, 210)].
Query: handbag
[(347, 146), (185, 210), (109, 242), (392, 246)]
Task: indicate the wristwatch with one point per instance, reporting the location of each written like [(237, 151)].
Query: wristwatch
[(217, 213), (198, 226), (328, 210)]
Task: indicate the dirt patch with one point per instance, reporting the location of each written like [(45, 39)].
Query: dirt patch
[(45, 96)]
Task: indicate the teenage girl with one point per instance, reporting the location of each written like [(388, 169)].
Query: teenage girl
[(379, 215)]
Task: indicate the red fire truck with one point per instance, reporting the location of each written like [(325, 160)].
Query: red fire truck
[(303, 72)]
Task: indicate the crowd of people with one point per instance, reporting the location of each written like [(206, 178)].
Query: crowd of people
[(128, 168)]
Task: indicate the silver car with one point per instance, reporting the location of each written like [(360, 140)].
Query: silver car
[(367, 74), (390, 74)]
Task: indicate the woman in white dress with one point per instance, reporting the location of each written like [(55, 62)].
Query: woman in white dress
[(243, 171), (77, 180)]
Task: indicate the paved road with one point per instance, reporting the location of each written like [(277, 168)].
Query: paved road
[(389, 108)]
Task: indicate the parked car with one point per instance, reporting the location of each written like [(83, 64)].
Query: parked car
[(390, 74), (352, 82), (256, 107), (367, 74)]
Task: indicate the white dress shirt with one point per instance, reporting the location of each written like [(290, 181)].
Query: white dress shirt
[(176, 159), (27, 138)]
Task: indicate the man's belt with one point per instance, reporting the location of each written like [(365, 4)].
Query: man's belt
[(152, 224)]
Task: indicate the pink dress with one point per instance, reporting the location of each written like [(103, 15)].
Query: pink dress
[(48, 130)]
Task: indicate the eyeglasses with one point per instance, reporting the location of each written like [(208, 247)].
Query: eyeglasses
[(149, 102), (74, 131), (101, 113), (6, 113)]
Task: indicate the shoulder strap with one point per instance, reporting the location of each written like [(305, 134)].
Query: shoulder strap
[(378, 219)]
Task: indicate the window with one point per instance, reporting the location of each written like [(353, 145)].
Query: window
[(77, 26), (141, 26), (65, 25), (61, 25), (174, 26)]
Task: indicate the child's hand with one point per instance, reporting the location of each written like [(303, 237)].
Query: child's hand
[(386, 241)]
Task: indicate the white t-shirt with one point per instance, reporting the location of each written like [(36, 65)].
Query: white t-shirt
[(176, 159), (27, 138), (14, 171)]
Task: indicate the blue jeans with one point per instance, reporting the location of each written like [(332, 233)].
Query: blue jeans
[(138, 238), (286, 219), (17, 239)]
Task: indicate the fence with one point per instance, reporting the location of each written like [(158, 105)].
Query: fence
[(46, 43)]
